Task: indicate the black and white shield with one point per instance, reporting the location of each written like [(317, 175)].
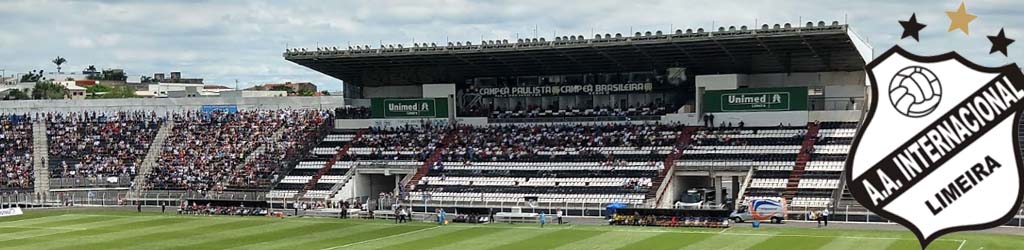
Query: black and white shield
[(938, 150)]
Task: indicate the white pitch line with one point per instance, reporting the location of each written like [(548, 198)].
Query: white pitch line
[(381, 238), (41, 235), (723, 230), (961, 245), (54, 228)]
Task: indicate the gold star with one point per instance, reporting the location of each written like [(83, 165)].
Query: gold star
[(959, 19)]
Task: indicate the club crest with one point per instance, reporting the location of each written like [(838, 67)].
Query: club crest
[(938, 151)]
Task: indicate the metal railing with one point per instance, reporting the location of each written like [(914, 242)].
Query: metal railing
[(858, 214), (576, 119), (836, 103), (91, 182), (570, 208), (373, 164)]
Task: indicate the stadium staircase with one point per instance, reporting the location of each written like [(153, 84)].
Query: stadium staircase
[(40, 158), (801, 161), (338, 186), (747, 180), (434, 157), (682, 141), (148, 163), (840, 191), (311, 184)]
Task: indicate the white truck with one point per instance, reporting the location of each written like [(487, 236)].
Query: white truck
[(765, 210)]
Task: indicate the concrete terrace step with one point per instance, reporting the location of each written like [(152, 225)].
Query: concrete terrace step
[(152, 155), (40, 158)]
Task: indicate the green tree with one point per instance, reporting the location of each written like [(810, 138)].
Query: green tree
[(59, 61), (109, 75), (16, 94), (307, 93), (281, 88), (325, 93), (48, 90), (32, 76), (114, 75), (97, 89), (120, 92), (106, 92)]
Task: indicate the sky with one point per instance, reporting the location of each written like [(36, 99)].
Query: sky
[(226, 40)]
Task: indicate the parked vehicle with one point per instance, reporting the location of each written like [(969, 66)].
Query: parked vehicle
[(764, 210)]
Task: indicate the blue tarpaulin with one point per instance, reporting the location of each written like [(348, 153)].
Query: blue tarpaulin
[(614, 206), (207, 109)]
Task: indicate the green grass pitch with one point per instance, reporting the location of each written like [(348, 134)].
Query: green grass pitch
[(105, 229)]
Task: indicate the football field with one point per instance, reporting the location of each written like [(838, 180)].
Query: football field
[(99, 229)]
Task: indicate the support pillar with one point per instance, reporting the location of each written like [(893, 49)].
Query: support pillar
[(718, 190), (735, 188)]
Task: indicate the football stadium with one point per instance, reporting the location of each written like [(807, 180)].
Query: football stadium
[(730, 137)]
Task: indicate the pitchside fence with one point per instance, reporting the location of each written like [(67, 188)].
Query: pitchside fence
[(99, 198)]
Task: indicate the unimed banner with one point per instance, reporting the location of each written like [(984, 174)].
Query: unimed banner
[(10, 212), (755, 100), (409, 108)]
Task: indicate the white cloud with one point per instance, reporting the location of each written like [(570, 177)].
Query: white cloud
[(235, 39)]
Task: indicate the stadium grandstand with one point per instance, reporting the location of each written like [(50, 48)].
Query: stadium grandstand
[(677, 128), (686, 118)]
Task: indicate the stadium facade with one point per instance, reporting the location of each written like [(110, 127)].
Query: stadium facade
[(788, 82)]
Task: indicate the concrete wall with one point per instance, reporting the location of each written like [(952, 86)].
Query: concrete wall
[(349, 190), (796, 118), (438, 90), (836, 115), (407, 91), (358, 102), (718, 82), (371, 185), (386, 123), (835, 87), (161, 105), (857, 78), (865, 49)]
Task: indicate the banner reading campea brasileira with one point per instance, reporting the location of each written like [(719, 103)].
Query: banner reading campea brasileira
[(583, 89)]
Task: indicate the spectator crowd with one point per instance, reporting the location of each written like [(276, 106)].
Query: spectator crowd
[(15, 152), (205, 209), (512, 143), (396, 143), (93, 144), (352, 113), (206, 151)]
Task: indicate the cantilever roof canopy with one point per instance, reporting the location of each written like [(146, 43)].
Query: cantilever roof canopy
[(778, 50)]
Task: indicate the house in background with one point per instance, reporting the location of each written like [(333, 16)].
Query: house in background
[(293, 88)]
